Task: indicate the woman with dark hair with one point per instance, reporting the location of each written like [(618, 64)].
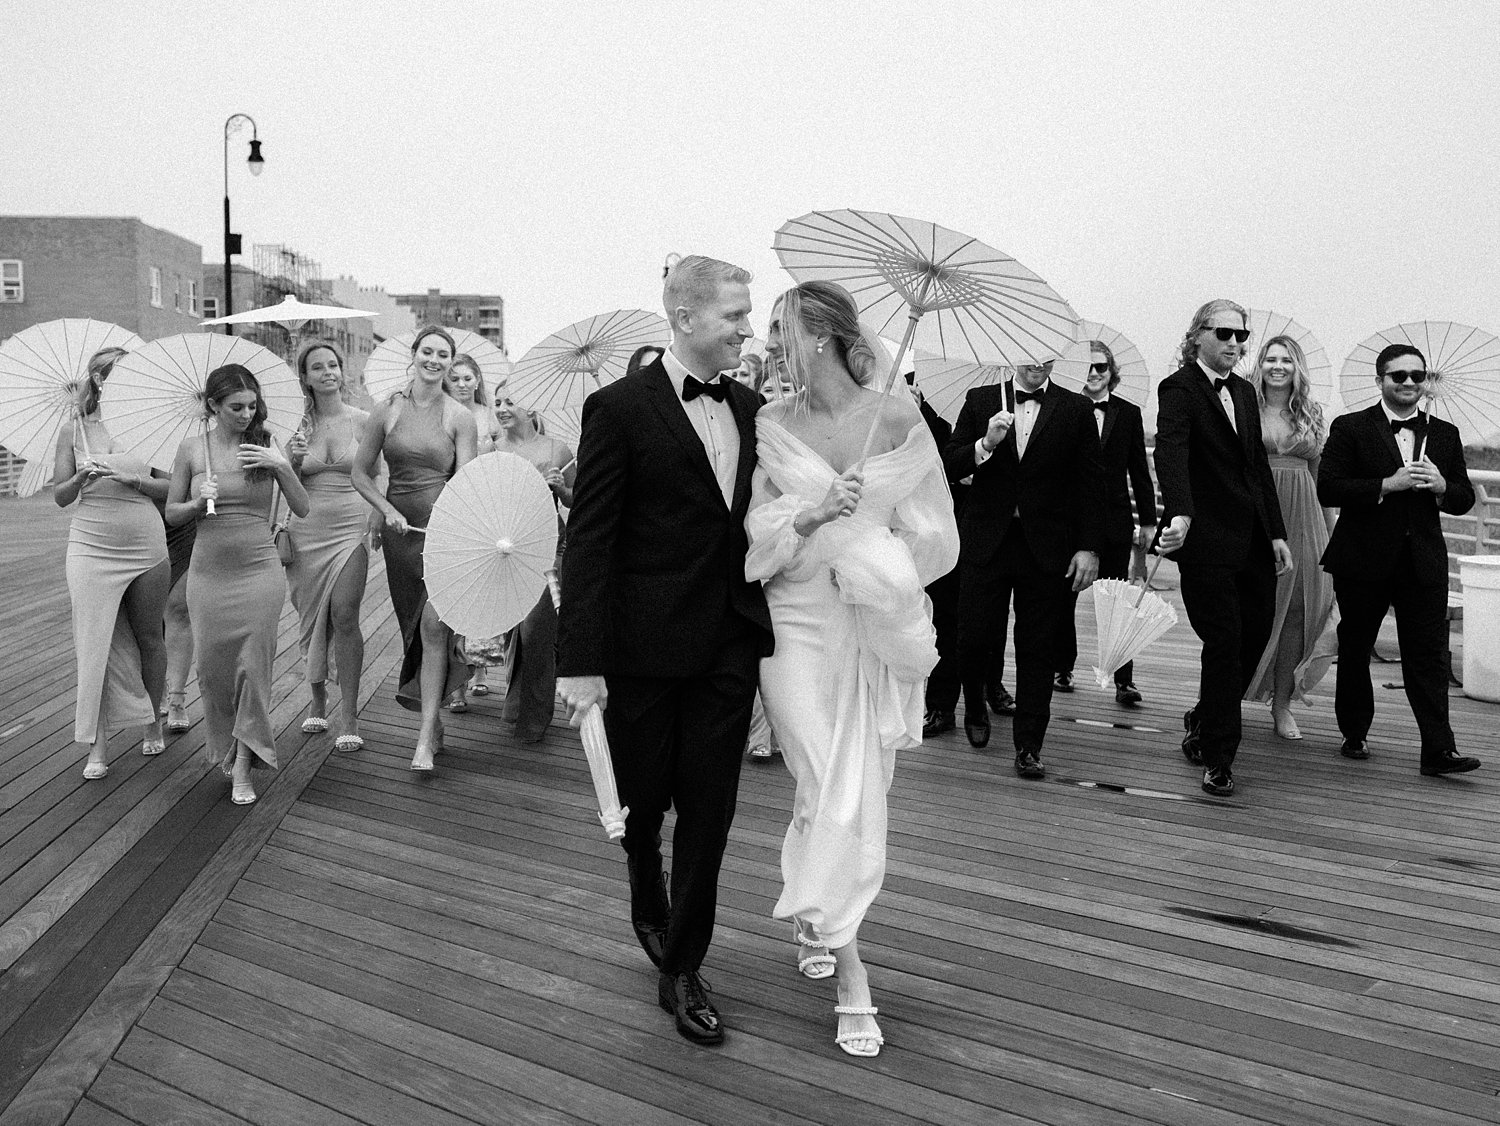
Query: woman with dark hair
[(1302, 647), (425, 435), (330, 561), (845, 540), (643, 356), (235, 586), (530, 652), (117, 574)]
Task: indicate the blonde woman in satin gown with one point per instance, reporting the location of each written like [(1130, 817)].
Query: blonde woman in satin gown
[(845, 546), (235, 584), (1304, 639), (331, 561), (118, 577)]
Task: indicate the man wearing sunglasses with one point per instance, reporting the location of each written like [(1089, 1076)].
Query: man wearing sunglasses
[(1391, 470), (1222, 522)]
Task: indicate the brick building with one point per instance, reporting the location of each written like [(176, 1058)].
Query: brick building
[(111, 269), (484, 314)]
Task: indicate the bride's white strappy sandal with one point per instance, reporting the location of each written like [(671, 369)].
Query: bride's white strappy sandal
[(869, 1045), (809, 964)]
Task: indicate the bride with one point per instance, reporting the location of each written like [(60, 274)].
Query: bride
[(845, 543)]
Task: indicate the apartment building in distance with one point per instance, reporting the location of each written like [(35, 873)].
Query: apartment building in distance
[(484, 314), (110, 269)]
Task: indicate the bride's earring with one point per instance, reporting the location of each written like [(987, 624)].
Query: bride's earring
[(820, 348)]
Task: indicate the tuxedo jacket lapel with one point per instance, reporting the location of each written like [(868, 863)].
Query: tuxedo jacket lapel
[(1046, 410), (743, 411), (664, 400), (1386, 436), (1111, 415)]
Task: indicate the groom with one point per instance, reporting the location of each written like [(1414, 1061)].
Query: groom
[(659, 625)]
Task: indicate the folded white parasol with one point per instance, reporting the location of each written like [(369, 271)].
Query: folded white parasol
[(1129, 619)]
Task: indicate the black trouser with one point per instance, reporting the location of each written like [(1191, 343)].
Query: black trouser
[(1421, 606), (946, 678), (1231, 608), (678, 741), (1041, 601), (1114, 563)]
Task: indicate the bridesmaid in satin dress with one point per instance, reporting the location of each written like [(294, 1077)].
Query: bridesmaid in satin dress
[(466, 385), (425, 436), (327, 574), (117, 574), (235, 584)]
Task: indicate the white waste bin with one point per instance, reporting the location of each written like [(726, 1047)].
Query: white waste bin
[(1480, 575)]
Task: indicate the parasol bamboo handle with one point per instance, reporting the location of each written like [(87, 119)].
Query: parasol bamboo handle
[(83, 434), (1150, 578), (1421, 441), (554, 588), (208, 465), (914, 315)]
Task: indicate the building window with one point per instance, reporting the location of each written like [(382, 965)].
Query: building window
[(489, 318), (210, 308), (156, 287), (12, 286), (177, 293), (193, 296)]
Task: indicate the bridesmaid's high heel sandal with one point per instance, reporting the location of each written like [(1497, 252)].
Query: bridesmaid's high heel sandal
[(1285, 725), (96, 770), (177, 714), (421, 762), (242, 793)]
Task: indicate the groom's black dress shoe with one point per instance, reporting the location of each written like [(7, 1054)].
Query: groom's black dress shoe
[(1449, 762), (978, 730), (1000, 701), (682, 995), (1355, 749), (649, 910)]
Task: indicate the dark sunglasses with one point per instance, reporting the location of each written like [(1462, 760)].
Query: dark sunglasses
[(1099, 369), (1240, 335), (1403, 376)]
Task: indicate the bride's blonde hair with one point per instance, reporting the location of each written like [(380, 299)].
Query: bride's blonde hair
[(819, 308)]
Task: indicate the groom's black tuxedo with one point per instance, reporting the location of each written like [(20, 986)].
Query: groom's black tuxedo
[(1390, 552), (1024, 519), (654, 598)]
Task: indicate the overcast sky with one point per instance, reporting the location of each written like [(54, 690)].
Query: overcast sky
[(1337, 162)]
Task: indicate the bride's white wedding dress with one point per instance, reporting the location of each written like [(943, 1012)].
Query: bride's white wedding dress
[(854, 642)]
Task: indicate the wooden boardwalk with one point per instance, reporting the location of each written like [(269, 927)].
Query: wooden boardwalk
[(367, 946)]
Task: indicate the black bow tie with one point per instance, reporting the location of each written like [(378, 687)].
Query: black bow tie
[(1414, 423), (1031, 396), (692, 387), (1220, 384), (1102, 406)]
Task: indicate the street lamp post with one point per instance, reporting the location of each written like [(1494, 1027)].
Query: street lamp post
[(231, 240)]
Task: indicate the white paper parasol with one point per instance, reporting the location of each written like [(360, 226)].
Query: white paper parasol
[(1072, 368), (959, 298), (491, 540), (564, 368), (388, 367), (1129, 619), (1463, 375), (156, 392), (41, 369), (944, 383), (291, 313), (1263, 325), (566, 425)]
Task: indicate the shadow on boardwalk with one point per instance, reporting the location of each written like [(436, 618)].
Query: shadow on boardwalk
[(364, 945)]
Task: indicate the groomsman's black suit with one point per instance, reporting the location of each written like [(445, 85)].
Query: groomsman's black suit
[(1219, 475), (1126, 472), (1390, 552), (1023, 521), (654, 599)]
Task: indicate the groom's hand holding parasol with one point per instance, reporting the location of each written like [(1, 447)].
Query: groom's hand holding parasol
[(580, 693)]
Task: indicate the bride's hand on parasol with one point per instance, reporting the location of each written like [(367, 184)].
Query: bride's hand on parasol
[(580, 693)]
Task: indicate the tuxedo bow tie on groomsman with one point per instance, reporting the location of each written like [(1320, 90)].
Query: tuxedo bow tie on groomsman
[(692, 387), (1414, 424)]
